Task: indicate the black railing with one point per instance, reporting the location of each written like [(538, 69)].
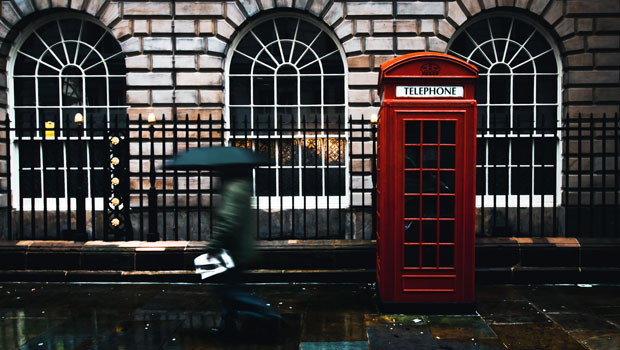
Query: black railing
[(321, 185)]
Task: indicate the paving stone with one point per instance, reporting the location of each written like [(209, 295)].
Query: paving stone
[(548, 336)]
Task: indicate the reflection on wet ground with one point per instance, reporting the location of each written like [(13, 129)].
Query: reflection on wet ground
[(316, 316)]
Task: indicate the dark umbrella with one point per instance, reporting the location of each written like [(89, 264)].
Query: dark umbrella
[(216, 157)]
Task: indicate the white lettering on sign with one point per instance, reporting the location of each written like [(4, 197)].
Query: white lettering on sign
[(429, 91)]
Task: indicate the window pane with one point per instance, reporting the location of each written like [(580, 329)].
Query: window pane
[(521, 181), (547, 89), (312, 182), (29, 154), (24, 91), (446, 206), (332, 64), (412, 206), (335, 181), (289, 152), (263, 90), (99, 153), (95, 121), (429, 182), (500, 119), (448, 132), (76, 154), (77, 183), (544, 180), (521, 152), (546, 119), (241, 64), (480, 181), (54, 182), (498, 180), (99, 183), (96, 92), (500, 89), (334, 119), (498, 151), (24, 65), (412, 256), (287, 120), (333, 90), (545, 151), (446, 231), (446, 184), (263, 120), (249, 46), (335, 152), (117, 91), (30, 183), (523, 91), (287, 90), (446, 256), (412, 157), (240, 120), (48, 92), (481, 151), (523, 119), (311, 88), (239, 90), (546, 63), (267, 148), (53, 155), (265, 182), (429, 157), (72, 91), (311, 154), (430, 132), (289, 182), (429, 206), (447, 157), (481, 89)]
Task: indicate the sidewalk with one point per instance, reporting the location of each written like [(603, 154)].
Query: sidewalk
[(317, 316)]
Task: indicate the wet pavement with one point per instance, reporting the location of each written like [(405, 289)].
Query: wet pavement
[(316, 316)]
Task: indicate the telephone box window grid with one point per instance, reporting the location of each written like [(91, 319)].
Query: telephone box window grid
[(518, 108), (64, 67), (286, 99)]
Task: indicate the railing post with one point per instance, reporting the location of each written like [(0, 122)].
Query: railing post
[(152, 235)]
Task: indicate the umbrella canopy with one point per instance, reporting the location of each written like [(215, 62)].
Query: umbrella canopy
[(216, 157)]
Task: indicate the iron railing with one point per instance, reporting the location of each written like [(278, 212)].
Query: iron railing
[(154, 203)]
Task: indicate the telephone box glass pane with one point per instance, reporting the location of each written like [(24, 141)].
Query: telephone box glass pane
[(429, 256), (412, 256), (447, 157), (446, 231), (412, 181), (429, 231), (446, 204), (429, 132), (412, 157), (412, 231), (429, 206), (429, 182), (412, 132), (446, 182), (429, 157), (446, 256), (448, 132), (412, 206)]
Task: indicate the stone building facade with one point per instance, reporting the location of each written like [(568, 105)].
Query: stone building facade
[(177, 60)]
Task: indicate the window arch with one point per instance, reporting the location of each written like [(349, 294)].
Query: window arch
[(286, 98), (65, 66), (518, 94)]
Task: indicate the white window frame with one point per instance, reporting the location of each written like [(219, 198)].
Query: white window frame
[(501, 200), (277, 202), (57, 203)]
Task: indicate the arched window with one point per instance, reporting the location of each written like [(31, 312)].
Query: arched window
[(64, 67), (518, 98), (286, 98)]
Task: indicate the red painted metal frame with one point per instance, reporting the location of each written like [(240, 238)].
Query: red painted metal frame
[(398, 283)]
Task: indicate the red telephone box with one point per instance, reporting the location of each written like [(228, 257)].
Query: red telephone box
[(426, 170)]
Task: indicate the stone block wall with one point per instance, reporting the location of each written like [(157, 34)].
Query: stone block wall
[(192, 82)]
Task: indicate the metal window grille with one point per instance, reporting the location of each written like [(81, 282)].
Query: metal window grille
[(286, 96), (64, 67), (518, 158)]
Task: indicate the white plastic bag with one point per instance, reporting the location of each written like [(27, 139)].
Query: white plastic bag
[(208, 265)]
